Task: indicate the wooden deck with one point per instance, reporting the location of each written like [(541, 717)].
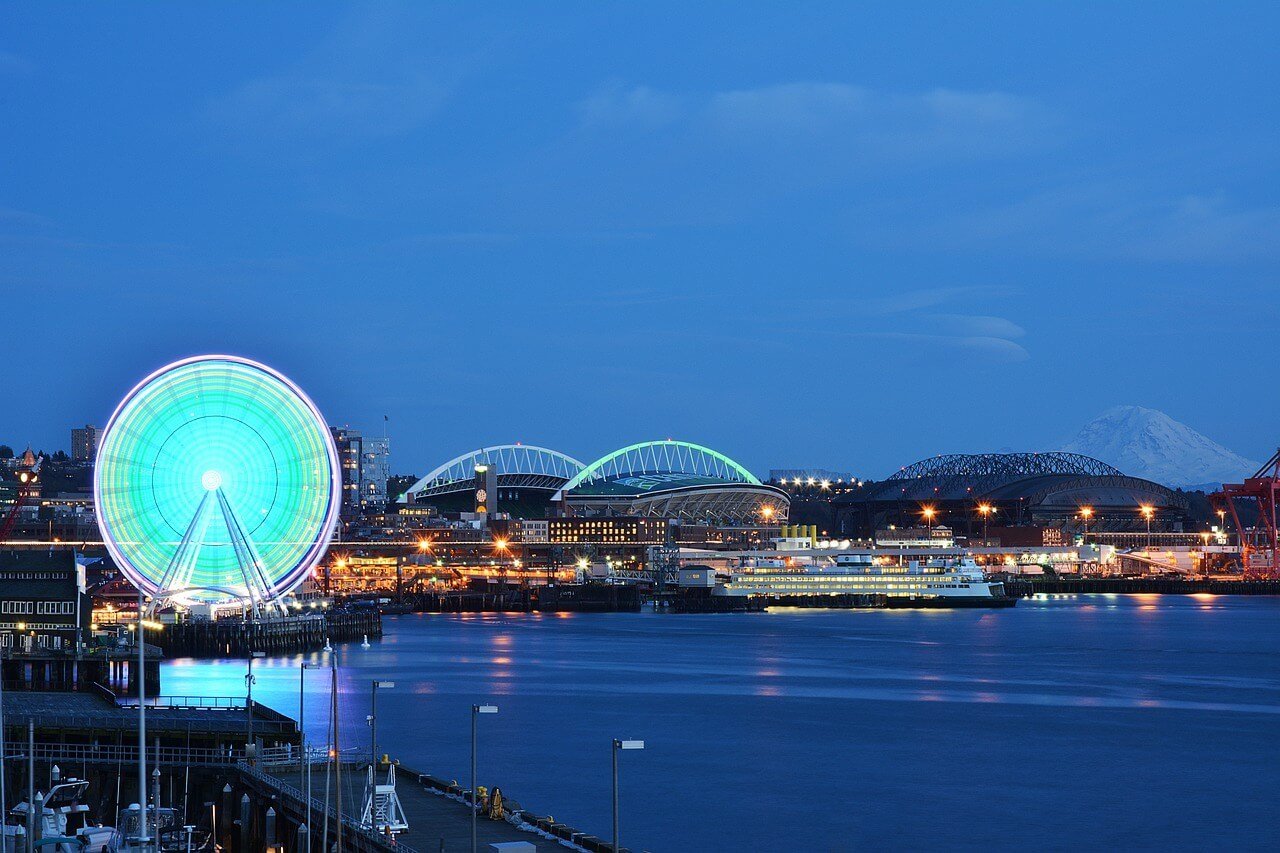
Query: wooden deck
[(436, 822)]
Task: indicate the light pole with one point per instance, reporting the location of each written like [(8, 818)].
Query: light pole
[(304, 761), (928, 513), (3, 793), (985, 510), (373, 718), (618, 746), (1086, 513), (1148, 511), (476, 711), (249, 680)]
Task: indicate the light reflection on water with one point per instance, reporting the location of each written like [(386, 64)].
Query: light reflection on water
[(826, 722)]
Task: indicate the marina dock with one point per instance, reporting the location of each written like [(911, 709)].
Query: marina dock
[(438, 816)]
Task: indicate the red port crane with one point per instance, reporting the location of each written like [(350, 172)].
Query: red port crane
[(26, 485), (1259, 544)]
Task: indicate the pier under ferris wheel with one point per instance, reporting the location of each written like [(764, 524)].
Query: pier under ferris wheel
[(216, 482)]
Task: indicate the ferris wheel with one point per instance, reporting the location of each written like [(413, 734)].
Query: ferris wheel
[(217, 480)]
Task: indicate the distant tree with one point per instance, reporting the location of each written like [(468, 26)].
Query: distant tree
[(6, 452), (60, 456), (399, 484)]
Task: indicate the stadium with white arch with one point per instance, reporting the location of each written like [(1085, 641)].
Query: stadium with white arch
[(678, 480)]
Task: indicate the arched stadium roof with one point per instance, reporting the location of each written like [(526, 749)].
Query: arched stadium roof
[(1032, 477), (662, 458), (673, 479), (518, 465)]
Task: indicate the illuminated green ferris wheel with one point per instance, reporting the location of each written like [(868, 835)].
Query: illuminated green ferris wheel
[(217, 480)]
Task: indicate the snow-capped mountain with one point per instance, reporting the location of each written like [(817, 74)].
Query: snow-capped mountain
[(1149, 444)]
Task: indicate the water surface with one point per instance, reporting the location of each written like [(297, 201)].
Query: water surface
[(1092, 721)]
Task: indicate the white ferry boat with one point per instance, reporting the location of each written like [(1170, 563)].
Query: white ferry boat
[(954, 584)]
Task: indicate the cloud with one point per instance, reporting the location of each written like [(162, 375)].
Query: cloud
[(12, 63), (832, 118), (1104, 219), (891, 125), (638, 105), (978, 325), (297, 106), (912, 300), (992, 349)]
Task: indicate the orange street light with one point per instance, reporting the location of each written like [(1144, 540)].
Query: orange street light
[(1148, 512), (929, 513), (985, 510), (1086, 513)]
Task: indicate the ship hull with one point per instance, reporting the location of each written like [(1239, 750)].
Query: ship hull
[(950, 601)]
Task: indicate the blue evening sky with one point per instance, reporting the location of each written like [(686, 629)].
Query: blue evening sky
[(803, 233)]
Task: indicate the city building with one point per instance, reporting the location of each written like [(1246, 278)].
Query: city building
[(915, 537), (632, 530), (84, 443), (43, 603), (350, 446), (375, 471)]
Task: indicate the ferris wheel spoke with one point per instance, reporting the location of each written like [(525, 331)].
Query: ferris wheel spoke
[(181, 568)]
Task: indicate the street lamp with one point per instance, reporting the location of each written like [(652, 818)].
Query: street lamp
[(303, 759), (476, 711), (1148, 511), (985, 510), (373, 718), (1086, 513), (619, 745), (249, 680), (929, 513)]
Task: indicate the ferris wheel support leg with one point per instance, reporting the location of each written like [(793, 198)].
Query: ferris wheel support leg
[(261, 595), (177, 575)]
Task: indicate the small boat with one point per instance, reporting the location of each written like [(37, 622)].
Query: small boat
[(64, 822), (167, 825)]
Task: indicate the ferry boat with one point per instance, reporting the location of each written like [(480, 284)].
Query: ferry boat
[(958, 583)]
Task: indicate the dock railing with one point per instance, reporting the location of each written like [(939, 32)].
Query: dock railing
[(350, 824), (70, 754)]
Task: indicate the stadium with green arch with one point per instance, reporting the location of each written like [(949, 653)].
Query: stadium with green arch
[(679, 480)]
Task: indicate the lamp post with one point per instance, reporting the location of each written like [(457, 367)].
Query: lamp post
[(929, 513), (373, 718), (618, 746), (985, 511), (304, 761), (249, 680), (1148, 511), (1086, 513), (476, 711)]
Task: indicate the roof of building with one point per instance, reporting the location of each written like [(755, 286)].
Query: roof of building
[(32, 560), (641, 484), (1033, 477), (88, 710)]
